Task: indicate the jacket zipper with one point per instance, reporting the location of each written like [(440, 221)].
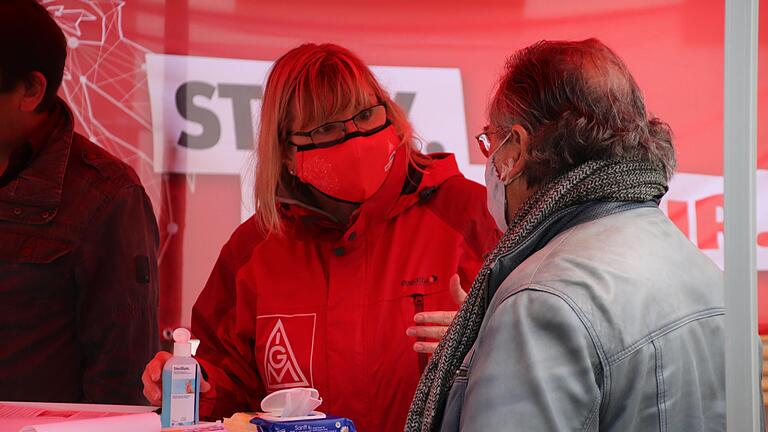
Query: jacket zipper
[(418, 306)]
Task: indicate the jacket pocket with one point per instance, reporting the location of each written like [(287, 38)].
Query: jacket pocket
[(36, 280), (20, 249)]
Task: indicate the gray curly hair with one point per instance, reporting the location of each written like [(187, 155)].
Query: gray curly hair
[(579, 103)]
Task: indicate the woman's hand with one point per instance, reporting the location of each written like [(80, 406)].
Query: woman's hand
[(153, 379), (437, 321)]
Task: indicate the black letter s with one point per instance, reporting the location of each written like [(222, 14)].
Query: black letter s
[(185, 95)]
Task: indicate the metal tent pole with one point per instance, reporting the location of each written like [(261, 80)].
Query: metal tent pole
[(740, 155)]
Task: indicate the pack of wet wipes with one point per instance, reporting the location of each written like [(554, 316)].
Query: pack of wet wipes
[(290, 410), (327, 424)]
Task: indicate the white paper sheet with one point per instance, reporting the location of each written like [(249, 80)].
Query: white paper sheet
[(76, 407), (16, 423), (147, 422)]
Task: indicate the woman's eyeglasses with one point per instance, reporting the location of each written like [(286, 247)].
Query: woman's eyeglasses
[(367, 121)]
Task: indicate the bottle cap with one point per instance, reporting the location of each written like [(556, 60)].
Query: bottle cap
[(181, 345)]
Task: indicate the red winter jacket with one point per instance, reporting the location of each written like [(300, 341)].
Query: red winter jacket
[(326, 306)]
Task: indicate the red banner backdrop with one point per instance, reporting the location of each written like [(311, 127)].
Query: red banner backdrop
[(673, 47)]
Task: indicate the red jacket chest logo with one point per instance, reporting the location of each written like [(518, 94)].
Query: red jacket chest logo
[(288, 346)]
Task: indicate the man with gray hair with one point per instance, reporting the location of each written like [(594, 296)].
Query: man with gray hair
[(593, 312)]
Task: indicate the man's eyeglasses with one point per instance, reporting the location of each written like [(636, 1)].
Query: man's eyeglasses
[(484, 141), (367, 122)]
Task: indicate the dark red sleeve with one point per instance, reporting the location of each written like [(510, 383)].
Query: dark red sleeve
[(461, 203), (117, 297), (480, 236), (223, 320)]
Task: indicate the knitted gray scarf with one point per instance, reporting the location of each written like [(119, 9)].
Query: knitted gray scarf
[(615, 180)]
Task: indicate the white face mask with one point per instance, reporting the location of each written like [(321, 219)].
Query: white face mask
[(497, 190)]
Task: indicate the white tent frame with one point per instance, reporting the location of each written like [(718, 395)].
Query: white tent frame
[(743, 359)]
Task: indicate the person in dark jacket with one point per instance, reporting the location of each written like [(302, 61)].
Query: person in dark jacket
[(78, 237)]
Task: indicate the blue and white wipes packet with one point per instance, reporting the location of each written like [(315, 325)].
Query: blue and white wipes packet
[(327, 424), (293, 409)]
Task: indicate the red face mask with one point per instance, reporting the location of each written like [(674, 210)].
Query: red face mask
[(353, 170)]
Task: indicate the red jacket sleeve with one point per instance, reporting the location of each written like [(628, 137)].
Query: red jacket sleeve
[(474, 252), (462, 205), (222, 319)]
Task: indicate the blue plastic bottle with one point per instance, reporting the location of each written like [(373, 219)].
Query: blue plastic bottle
[(181, 384)]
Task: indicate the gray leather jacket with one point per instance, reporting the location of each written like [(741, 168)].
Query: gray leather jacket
[(615, 325)]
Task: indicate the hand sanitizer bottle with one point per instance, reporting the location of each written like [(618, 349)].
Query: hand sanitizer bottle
[(181, 384)]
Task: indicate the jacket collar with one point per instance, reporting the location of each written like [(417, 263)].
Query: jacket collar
[(39, 184), (550, 228), (420, 185), (23, 155)]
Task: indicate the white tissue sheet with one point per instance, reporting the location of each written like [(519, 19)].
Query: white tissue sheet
[(291, 404), (299, 403), (147, 422)]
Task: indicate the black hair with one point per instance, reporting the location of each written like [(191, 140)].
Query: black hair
[(30, 40)]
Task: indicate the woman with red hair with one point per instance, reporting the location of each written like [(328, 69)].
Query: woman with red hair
[(355, 232)]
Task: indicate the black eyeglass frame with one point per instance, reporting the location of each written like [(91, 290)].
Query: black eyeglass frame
[(345, 137)]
